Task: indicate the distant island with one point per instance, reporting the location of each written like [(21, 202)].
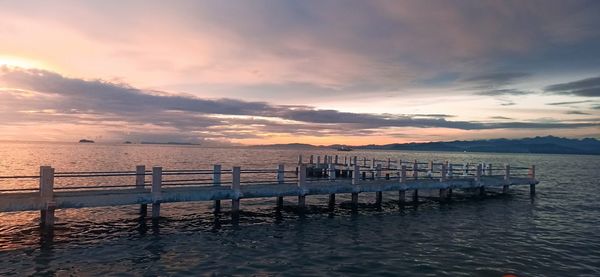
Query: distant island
[(540, 145), (170, 143), (86, 141)]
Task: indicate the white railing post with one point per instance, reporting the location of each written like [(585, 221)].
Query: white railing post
[(506, 178), (47, 196), (332, 178), (355, 182), (236, 189), (156, 191), (379, 193), (416, 177), (140, 179), (280, 181), (532, 180), (478, 175), (217, 183), (302, 186), (402, 178)]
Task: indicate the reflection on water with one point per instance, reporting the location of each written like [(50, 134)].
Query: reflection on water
[(556, 234)]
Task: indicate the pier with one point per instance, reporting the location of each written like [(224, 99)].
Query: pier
[(313, 175)]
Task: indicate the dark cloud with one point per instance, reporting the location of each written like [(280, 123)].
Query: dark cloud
[(577, 112), (43, 96), (497, 78), (589, 87), (569, 103), (501, 117), (499, 92)]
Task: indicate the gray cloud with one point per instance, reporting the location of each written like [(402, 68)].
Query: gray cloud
[(43, 96), (589, 87), (569, 103), (577, 112), (501, 117), (499, 92), (497, 78)]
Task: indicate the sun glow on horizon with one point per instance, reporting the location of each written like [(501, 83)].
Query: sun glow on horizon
[(14, 61)]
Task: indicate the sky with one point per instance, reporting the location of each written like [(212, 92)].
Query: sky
[(319, 72)]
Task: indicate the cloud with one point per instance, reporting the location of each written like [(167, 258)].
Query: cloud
[(577, 112), (500, 92), (501, 117), (39, 96), (569, 103), (589, 87), (497, 78)]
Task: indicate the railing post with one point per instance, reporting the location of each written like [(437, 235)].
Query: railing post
[(402, 178), (300, 159), (302, 187), (416, 177), (311, 161), (489, 169), (217, 183), (378, 194), (332, 178), (140, 178), (318, 161), (156, 191), (430, 171), (373, 161), (532, 180), (444, 191), (47, 196), (389, 166), (280, 181), (336, 160), (478, 175), (235, 187), (506, 178), (355, 182)]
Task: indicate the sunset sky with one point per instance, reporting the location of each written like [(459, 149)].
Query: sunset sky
[(320, 72)]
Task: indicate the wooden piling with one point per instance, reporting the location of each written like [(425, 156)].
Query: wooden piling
[(532, 180), (416, 177), (311, 159), (378, 194), (217, 183), (332, 178), (506, 178), (355, 182), (47, 196), (478, 175), (280, 181), (444, 191), (302, 187), (402, 178), (299, 159), (156, 191), (140, 178), (235, 187)]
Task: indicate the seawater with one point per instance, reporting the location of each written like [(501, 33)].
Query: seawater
[(557, 233)]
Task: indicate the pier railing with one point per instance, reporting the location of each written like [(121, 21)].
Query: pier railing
[(73, 189)]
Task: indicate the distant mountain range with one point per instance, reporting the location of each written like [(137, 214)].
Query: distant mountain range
[(545, 145)]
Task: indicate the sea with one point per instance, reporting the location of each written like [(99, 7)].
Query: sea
[(555, 233)]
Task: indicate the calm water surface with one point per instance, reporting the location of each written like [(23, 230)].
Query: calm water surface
[(555, 234)]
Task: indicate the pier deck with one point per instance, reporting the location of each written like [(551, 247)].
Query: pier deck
[(329, 177)]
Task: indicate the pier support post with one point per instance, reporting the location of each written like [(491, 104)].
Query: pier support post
[(235, 187), (140, 178), (300, 159), (217, 183), (311, 160), (302, 187), (402, 178), (378, 194), (156, 191), (506, 178), (532, 180), (478, 179), (444, 178), (47, 196), (332, 178), (450, 175), (415, 173), (336, 160), (280, 180), (355, 188)]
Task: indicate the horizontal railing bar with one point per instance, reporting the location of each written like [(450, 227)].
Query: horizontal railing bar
[(19, 177)]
